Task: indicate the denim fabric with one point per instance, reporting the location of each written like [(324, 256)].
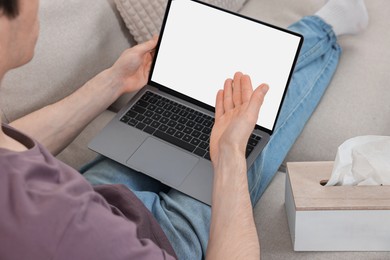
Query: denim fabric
[(316, 65), (186, 221)]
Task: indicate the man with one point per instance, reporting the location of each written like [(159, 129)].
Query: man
[(50, 211)]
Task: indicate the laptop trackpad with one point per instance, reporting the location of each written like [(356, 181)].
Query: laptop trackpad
[(163, 162)]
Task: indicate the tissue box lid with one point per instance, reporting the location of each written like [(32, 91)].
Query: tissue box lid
[(309, 194)]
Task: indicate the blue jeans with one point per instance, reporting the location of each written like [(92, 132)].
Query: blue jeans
[(186, 221)]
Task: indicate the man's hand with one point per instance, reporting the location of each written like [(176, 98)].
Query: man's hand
[(236, 112), (233, 232), (133, 66), (56, 125)]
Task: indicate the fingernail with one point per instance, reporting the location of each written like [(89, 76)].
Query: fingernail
[(265, 88)]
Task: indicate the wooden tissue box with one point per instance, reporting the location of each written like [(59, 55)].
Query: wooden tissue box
[(336, 218)]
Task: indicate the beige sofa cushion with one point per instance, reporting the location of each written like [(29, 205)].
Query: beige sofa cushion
[(78, 39), (144, 17), (357, 100)]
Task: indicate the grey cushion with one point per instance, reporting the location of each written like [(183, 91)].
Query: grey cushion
[(144, 17), (357, 101), (77, 40)]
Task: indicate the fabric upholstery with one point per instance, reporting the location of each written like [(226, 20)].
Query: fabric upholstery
[(77, 40), (144, 17), (357, 100)]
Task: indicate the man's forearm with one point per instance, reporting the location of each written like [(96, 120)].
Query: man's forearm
[(233, 233), (56, 125)]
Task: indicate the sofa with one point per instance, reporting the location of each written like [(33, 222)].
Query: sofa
[(79, 39)]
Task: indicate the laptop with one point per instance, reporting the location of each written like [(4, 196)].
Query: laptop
[(165, 128)]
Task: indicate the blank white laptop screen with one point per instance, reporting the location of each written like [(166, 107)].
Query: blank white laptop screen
[(202, 46)]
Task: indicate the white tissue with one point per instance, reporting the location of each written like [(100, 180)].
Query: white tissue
[(363, 160)]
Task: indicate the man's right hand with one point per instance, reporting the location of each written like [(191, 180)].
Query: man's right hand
[(236, 113), (233, 233)]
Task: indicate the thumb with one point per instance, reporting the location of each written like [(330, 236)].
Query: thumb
[(257, 99), (147, 46)]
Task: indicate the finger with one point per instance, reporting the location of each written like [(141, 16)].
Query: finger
[(148, 57), (219, 111), (237, 99), (153, 51), (147, 67), (257, 99), (246, 88), (228, 95), (147, 46)]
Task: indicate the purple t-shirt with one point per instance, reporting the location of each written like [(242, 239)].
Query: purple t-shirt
[(49, 211)]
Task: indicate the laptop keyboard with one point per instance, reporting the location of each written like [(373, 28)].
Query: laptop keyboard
[(175, 123)]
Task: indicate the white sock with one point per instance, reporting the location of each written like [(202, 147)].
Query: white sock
[(345, 16)]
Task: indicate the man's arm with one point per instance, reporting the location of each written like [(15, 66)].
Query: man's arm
[(233, 233), (56, 125)]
